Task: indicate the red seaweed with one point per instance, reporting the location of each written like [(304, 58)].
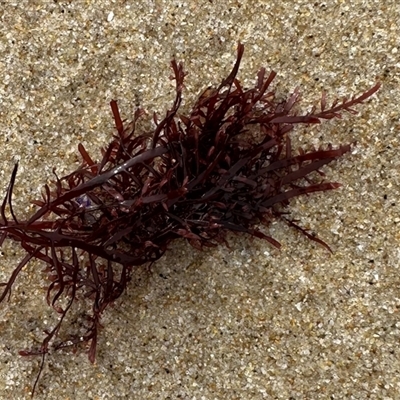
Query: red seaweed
[(228, 165)]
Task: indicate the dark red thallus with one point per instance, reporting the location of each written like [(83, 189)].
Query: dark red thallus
[(228, 165)]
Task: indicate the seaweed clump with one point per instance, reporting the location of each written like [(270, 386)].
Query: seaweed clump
[(226, 166)]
